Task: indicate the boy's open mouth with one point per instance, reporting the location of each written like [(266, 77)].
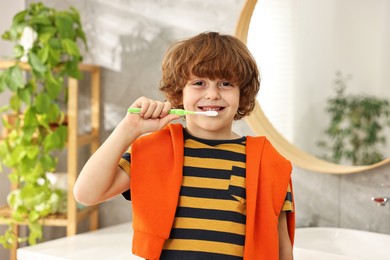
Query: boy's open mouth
[(211, 108)]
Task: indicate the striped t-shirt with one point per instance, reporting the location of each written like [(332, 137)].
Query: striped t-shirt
[(211, 212)]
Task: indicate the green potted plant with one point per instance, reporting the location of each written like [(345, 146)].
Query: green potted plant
[(35, 125), (356, 127)]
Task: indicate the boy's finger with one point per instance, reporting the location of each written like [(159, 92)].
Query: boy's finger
[(166, 108), (150, 109), (158, 110), (143, 104)]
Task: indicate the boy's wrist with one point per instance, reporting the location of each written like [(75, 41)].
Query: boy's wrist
[(127, 130)]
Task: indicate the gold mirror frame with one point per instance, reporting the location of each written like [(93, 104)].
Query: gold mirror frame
[(260, 124)]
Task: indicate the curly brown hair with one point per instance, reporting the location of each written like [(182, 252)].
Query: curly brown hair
[(215, 56)]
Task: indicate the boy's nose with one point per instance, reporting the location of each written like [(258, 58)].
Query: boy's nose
[(212, 93)]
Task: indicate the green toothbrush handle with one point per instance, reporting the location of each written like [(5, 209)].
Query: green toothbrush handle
[(134, 110), (180, 112)]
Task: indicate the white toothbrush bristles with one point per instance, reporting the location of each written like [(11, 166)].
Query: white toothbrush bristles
[(208, 113)]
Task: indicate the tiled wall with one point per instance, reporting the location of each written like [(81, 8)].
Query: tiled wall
[(342, 200)]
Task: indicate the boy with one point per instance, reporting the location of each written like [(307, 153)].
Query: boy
[(199, 192)]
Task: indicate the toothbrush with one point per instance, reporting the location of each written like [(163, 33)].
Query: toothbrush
[(180, 112)]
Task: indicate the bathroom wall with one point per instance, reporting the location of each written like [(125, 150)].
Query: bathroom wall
[(342, 200), (128, 38)]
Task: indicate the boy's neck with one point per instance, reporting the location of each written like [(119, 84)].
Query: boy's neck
[(226, 134)]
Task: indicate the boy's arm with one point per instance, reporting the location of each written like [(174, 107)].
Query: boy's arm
[(285, 246), (101, 178)]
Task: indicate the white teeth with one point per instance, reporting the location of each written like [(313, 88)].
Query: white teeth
[(211, 108)]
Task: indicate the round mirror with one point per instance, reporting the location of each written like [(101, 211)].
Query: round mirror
[(302, 47)]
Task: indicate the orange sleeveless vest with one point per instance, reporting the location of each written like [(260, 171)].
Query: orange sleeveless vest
[(156, 176)]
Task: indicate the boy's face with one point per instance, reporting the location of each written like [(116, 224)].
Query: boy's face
[(202, 94)]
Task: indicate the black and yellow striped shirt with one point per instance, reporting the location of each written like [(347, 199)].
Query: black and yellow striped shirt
[(211, 212)]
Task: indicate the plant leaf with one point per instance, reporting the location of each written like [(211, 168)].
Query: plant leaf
[(32, 151), (17, 154), (14, 78), (6, 36), (70, 47), (3, 83), (46, 34), (81, 34), (25, 95), (64, 23), (36, 63), (19, 17), (42, 103), (72, 69), (18, 51), (49, 162), (53, 113), (53, 85), (50, 142), (30, 118), (43, 53), (76, 15), (54, 57), (39, 20), (62, 133), (15, 103)]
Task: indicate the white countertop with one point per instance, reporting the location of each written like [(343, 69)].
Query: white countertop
[(113, 243)]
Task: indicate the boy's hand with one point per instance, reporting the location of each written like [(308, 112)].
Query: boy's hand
[(154, 115)]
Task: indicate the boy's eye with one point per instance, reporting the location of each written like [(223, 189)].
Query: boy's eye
[(226, 84), (198, 83)]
